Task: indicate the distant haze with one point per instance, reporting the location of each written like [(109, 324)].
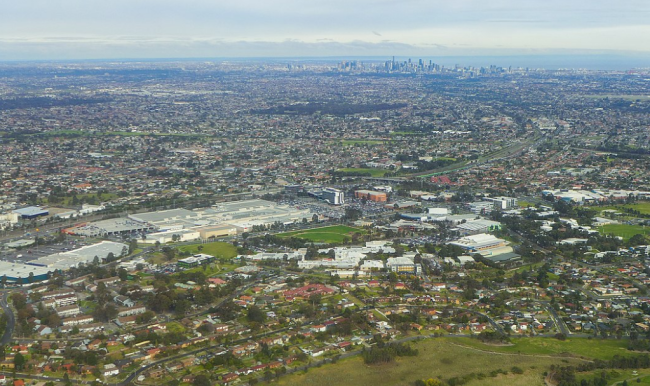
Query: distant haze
[(76, 29)]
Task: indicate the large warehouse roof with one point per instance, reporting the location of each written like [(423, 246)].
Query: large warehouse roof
[(163, 215), (31, 211), (19, 270), (110, 226), (86, 254)]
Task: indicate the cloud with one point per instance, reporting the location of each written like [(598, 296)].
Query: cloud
[(418, 24)]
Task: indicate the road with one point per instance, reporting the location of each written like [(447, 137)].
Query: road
[(559, 323), (42, 378), (505, 152), (11, 322)]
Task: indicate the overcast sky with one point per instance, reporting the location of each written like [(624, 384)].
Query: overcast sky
[(89, 29)]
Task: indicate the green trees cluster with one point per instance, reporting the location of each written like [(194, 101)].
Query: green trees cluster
[(566, 375), (255, 315), (386, 353)]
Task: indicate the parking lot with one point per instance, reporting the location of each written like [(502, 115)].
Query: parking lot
[(34, 252)]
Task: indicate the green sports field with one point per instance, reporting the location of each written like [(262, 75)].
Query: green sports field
[(623, 230), (331, 234)]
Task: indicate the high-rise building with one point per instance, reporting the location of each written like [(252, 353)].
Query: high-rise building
[(333, 196)]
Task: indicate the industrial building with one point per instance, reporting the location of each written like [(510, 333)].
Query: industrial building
[(477, 226), (503, 203), (222, 219), (172, 219), (172, 236), (403, 265), (110, 227), (221, 230), (371, 195), (31, 212), (20, 273), (84, 255), (479, 243), (195, 261)]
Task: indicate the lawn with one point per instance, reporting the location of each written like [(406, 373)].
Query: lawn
[(217, 249), (373, 172), (643, 207), (525, 204), (437, 357), (406, 133), (213, 269), (521, 269), (581, 347), (624, 230), (331, 234)]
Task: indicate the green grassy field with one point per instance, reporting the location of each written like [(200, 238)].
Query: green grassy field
[(373, 172), (580, 347), (331, 234), (623, 230), (437, 357), (643, 207), (406, 133), (217, 249)]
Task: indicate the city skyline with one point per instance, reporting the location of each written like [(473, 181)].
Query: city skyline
[(74, 30)]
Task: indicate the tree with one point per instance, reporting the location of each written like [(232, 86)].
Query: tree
[(133, 244), (19, 361), (101, 293), (182, 306), (352, 214), (637, 239), (428, 382), (169, 253), (122, 274), (201, 380), (255, 314)]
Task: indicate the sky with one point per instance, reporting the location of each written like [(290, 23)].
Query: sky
[(95, 29)]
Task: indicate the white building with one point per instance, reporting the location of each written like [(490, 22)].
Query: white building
[(369, 265), (334, 196)]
